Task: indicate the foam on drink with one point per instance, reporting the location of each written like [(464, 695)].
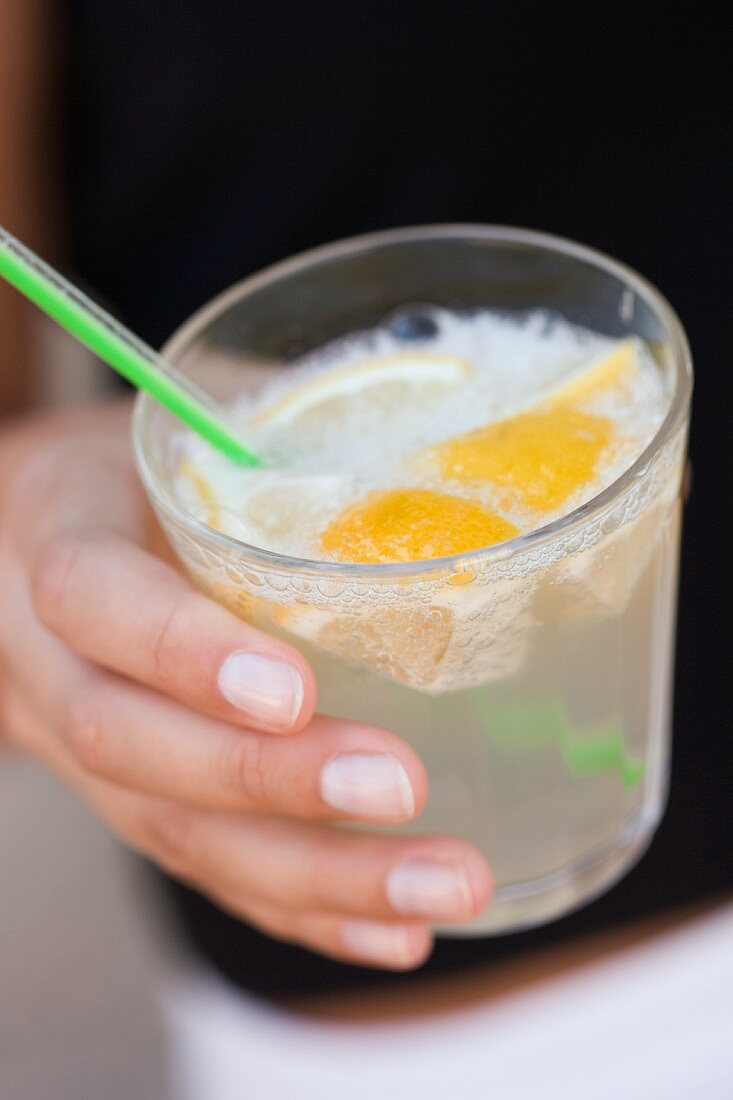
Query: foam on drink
[(524, 417)]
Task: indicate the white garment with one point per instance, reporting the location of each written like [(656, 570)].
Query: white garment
[(654, 1022)]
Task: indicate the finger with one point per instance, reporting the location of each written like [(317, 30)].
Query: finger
[(201, 849), (312, 868), (126, 812), (388, 945), (140, 739), (121, 607)]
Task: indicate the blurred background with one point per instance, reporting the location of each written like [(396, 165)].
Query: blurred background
[(161, 152), (77, 1010)]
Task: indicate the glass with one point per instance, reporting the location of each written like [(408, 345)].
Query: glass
[(550, 749)]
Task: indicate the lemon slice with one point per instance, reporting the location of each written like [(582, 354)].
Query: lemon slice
[(407, 643), (613, 372), (600, 581), (285, 512), (392, 384)]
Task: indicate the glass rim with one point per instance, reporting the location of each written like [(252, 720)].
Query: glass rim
[(424, 569)]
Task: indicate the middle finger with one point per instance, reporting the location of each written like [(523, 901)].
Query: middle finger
[(335, 769)]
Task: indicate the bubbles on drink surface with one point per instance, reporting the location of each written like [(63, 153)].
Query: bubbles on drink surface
[(509, 421), (423, 439)]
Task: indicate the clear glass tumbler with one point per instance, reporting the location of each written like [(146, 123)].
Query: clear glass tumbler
[(533, 677)]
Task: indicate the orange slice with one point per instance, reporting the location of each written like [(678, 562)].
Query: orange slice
[(396, 525), (542, 458), (542, 455)]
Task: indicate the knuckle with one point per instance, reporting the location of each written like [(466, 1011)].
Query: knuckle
[(166, 643), (17, 722), (30, 477), (243, 768), (325, 882), (171, 830), (300, 926), (292, 927), (269, 919), (282, 923), (54, 575), (84, 732)]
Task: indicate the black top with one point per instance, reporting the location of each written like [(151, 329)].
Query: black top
[(206, 139)]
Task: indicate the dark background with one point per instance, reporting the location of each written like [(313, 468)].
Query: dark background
[(205, 140)]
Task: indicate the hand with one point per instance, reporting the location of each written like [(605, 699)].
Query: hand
[(191, 732)]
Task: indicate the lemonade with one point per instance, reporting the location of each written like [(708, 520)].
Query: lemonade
[(447, 531), (513, 689)]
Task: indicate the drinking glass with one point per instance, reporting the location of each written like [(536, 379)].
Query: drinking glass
[(532, 677)]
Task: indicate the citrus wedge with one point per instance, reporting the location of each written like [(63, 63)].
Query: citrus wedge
[(613, 372), (285, 512), (541, 456), (393, 525), (392, 385), (407, 643)]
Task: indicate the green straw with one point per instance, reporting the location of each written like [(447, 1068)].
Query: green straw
[(119, 348)]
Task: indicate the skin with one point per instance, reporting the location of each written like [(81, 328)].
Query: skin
[(109, 664), (109, 660)]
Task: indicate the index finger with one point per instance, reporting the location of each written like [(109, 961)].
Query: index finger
[(126, 610)]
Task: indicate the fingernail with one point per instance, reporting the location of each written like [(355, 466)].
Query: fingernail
[(373, 785), (429, 888), (269, 690), (385, 943)]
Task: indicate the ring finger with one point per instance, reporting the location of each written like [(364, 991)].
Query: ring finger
[(313, 868)]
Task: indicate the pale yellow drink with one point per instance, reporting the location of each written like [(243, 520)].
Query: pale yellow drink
[(536, 694), (558, 771), (470, 528)]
